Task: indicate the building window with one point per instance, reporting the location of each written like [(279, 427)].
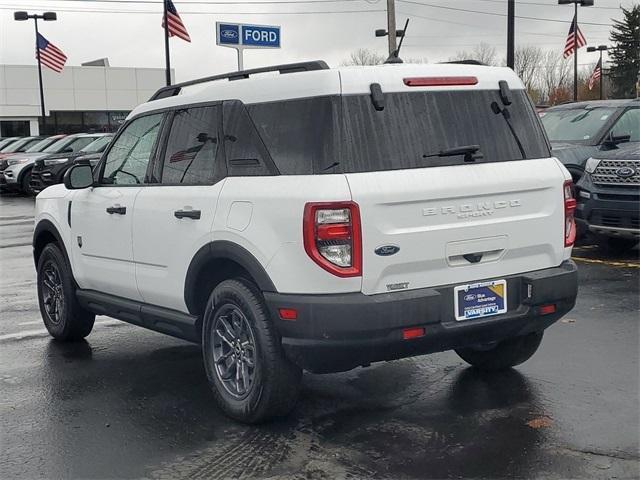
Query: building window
[(82, 122), (14, 128)]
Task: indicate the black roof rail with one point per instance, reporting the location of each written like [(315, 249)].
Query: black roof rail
[(173, 90), (466, 62)]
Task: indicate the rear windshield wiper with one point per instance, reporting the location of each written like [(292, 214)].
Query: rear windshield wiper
[(471, 153)]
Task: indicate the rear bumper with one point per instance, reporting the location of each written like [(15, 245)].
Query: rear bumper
[(339, 332)]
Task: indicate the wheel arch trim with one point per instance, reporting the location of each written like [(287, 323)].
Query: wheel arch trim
[(48, 227)]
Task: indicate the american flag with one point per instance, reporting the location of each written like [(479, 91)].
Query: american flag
[(597, 73), (50, 55), (575, 39), (176, 27)]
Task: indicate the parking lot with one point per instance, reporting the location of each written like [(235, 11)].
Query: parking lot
[(132, 403)]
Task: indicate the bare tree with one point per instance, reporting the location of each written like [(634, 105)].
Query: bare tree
[(555, 75), (483, 53), (528, 63), (364, 56)]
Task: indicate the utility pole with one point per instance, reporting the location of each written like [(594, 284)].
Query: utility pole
[(47, 17), (391, 26), (511, 20)]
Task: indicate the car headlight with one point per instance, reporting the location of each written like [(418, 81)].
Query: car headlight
[(592, 164), (55, 161), (15, 161)]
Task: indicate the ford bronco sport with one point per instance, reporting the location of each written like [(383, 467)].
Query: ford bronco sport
[(301, 217)]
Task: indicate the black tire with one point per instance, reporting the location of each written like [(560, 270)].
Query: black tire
[(63, 316), (505, 354), (269, 389), (25, 184)]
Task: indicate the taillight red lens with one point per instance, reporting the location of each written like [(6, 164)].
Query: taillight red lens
[(439, 81), (332, 237), (409, 333), (569, 214)]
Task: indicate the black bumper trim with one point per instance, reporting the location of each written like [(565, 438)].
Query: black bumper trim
[(339, 332)]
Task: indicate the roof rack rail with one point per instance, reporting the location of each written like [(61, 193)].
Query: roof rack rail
[(466, 62), (173, 90)]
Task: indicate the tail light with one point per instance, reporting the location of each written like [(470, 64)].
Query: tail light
[(569, 214), (332, 237), (439, 81)]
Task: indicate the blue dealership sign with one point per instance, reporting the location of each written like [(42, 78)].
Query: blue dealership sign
[(240, 35)]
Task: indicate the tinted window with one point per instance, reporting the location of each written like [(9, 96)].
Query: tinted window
[(246, 154), (413, 127), (299, 134), (129, 156), (629, 124), (575, 124), (98, 145), (76, 145), (192, 147), (42, 144)]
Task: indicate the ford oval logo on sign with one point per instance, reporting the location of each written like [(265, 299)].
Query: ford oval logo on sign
[(386, 250), (229, 34), (625, 172)]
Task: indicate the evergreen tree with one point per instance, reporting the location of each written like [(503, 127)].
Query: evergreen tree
[(625, 53)]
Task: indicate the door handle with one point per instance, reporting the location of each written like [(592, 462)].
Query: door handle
[(117, 210), (194, 214)]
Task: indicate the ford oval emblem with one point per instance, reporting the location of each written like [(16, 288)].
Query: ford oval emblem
[(625, 172), (386, 250), (229, 34)]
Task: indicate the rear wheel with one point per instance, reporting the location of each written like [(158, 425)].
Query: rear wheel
[(503, 355), (63, 316), (251, 379)]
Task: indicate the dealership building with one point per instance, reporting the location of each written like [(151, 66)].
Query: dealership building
[(89, 98)]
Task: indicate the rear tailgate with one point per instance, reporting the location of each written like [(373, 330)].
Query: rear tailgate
[(459, 224)]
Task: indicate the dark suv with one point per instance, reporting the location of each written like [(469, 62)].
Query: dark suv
[(609, 198), (50, 170), (578, 131)]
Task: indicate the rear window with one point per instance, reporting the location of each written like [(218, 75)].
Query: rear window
[(347, 134)]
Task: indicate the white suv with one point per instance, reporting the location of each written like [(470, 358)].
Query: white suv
[(301, 217)]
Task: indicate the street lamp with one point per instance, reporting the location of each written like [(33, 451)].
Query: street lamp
[(599, 48), (47, 17), (583, 3)]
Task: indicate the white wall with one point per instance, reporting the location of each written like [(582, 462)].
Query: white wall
[(75, 88)]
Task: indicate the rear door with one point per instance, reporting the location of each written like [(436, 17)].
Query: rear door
[(174, 216), (453, 218)]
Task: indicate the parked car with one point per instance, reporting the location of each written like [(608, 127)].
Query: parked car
[(19, 146), (17, 175), (609, 198), (318, 219), (6, 141), (50, 170), (580, 130)]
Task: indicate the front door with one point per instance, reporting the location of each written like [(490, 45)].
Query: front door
[(102, 216)]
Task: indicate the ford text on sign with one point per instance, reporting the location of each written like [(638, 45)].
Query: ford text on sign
[(241, 36)]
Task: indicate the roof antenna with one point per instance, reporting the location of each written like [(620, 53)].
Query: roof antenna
[(394, 57)]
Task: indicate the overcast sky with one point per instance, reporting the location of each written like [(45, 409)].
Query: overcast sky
[(128, 32)]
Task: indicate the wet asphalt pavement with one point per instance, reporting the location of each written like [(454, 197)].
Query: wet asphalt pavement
[(132, 403)]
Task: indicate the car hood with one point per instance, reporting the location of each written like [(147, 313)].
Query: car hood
[(70, 155), (625, 151), (92, 157), (573, 154)]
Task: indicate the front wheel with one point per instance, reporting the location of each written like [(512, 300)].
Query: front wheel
[(251, 379), (63, 316), (505, 354), (25, 186)]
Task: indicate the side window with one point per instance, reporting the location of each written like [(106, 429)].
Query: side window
[(78, 144), (192, 147), (629, 124), (127, 161), (246, 154)]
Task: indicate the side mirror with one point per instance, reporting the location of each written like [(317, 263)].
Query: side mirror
[(78, 177), (67, 150), (612, 139)]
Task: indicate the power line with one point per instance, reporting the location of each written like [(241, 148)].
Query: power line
[(520, 2), (495, 14)]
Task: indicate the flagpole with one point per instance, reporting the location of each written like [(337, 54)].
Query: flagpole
[(601, 74), (42, 109), (166, 45), (575, 54)]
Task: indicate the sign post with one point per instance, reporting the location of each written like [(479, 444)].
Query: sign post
[(243, 36)]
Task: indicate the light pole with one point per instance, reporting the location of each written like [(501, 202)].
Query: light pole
[(511, 47), (47, 17), (599, 48), (583, 3)]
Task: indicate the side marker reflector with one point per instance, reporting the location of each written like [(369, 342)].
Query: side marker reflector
[(547, 309), (409, 333), (288, 313)]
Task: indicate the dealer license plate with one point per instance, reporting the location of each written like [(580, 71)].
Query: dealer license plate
[(478, 300)]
